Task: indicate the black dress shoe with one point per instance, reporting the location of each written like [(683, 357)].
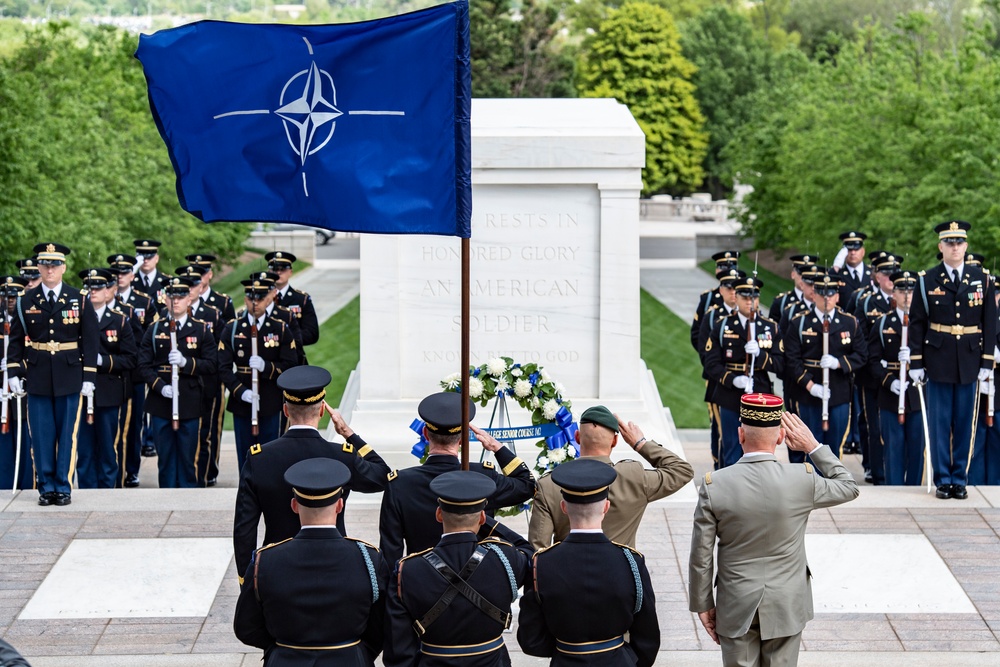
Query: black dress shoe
[(131, 481), (959, 492), (147, 450), (944, 492), (211, 482), (45, 499), (61, 499), (868, 476)]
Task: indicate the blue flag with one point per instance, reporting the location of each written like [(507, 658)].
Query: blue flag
[(359, 127)]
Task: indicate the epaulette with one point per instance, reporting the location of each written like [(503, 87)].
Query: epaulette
[(392, 475), (348, 448), (298, 291), (274, 544), (625, 546), (708, 478), (809, 467), (489, 464), (367, 544), (255, 449), (544, 549), (766, 319), (495, 540), (419, 553), (714, 306), (847, 314), (801, 313), (195, 319)]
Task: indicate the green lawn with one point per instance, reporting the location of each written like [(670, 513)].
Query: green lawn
[(773, 283), (666, 348)]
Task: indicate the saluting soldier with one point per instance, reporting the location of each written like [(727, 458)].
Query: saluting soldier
[(143, 311), (263, 489), (903, 443), (319, 597), (954, 325), (296, 301), (727, 290), (725, 261), (587, 593), (53, 355), (98, 442), (450, 605), (14, 434), (238, 361), (28, 269), (221, 302), (194, 357), (407, 514), (149, 279), (806, 360), (794, 295), (734, 349)]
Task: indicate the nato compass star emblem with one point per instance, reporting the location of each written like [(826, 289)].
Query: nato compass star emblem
[(308, 111)]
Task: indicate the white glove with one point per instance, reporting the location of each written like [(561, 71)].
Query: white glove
[(741, 381), (752, 348), (257, 363), (904, 355), (167, 391), (247, 395), (838, 261), (897, 387), (15, 385), (87, 389), (819, 390), (176, 358), (829, 361), (917, 374), (984, 374), (100, 359), (984, 388)]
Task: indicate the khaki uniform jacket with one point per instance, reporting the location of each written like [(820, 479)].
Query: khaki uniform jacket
[(758, 510), (634, 488)]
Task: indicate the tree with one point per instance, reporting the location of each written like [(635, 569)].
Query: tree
[(733, 63), (636, 58)]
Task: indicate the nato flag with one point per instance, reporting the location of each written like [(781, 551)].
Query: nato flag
[(358, 127)]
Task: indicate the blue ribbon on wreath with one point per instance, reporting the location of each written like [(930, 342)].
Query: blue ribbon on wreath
[(559, 434), (567, 431), (420, 447)]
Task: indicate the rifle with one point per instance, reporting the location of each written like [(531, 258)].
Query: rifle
[(752, 334), (254, 382), (826, 373), (174, 378), (903, 342), (5, 412)]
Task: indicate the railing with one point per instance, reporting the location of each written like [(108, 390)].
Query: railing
[(692, 209)]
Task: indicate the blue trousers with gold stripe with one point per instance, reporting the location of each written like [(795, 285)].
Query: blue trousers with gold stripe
[(26, 472), (731, 449), (984, 465), (54, 421), (97, 449), (268, 431), (903, 445), (839, 425), (951, 413), (176, 452)]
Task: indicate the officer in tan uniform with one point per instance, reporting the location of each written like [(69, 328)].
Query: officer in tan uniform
[(634, 488)]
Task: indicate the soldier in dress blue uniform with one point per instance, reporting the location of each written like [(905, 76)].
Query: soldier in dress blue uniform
[(854, 273), (586, 593), (725, 261), (149, 279), (479, 580), (953, 323), (12, 287), (318, 598), (194, 357), (143, 311), (263, 489), (984, 464), (53, 351), (407, 515), (296, 301), (902, 443), (276, 353), (794, 295), (221, 302), (98, 442), (728, 351), (804, 358), (28, 269)]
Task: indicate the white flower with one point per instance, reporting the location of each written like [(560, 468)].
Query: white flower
[(522, 388), (516, 372), (535, 402), (560, 389), (496, 366), (543, 462), (452, 381), (502, 385), (549, 410), (557, 455), (475, 387), (544, 376)]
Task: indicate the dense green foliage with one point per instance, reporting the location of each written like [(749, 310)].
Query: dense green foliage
[(81, 162), (635, 57)]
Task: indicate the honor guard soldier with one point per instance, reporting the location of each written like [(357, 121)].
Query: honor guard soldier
[(823, 348), (727, 290), (739, 355), (854, 273), (451, 604), (296, 301), (900, 428), (16, 471), (28, 269), (148, 279), (725, 261), (144, 311), (407, 514), (587, 593), (99, 437), (984, 464), (254, 350), (176, 353), (221, 302), (317, 598), (263, 489), (794, 295), (953, 326), (53, 355)]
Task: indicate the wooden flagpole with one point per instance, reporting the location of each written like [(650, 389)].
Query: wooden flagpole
[(464, 370)]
